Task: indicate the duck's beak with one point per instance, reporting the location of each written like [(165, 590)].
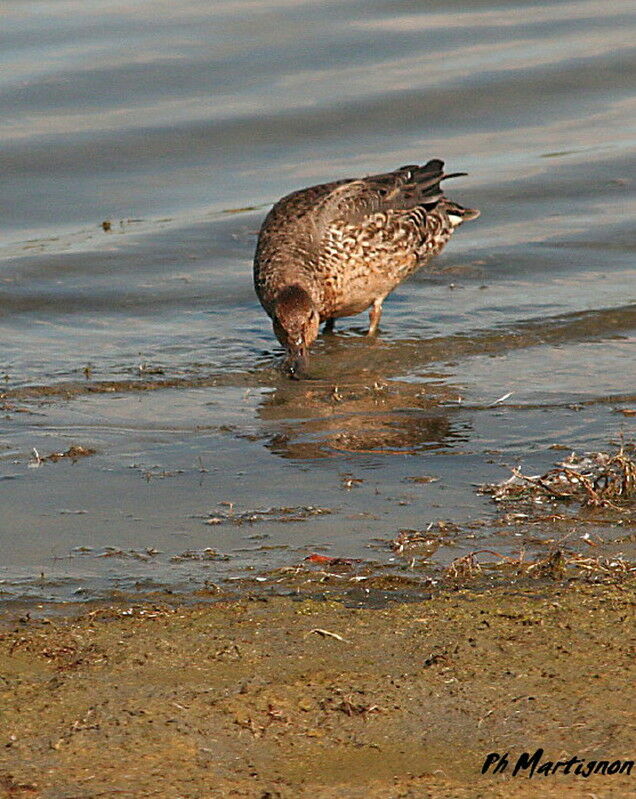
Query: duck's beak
[(296, 361)]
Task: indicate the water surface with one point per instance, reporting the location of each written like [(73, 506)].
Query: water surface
[(180, 125)]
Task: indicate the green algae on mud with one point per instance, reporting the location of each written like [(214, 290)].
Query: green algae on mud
[(241, 699)]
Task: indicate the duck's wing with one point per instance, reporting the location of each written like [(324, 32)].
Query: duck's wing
[(409, 187)]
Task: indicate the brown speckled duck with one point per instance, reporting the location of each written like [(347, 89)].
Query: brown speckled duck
[(339, 248)]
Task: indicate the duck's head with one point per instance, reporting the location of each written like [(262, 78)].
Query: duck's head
[(296, 322)]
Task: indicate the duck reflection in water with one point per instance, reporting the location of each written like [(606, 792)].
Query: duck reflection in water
[(316, 419)]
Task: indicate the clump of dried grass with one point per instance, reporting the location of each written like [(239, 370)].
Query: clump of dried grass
[(596, 479), (556, 565)]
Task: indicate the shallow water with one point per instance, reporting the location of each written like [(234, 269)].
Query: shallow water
[(180, 125)]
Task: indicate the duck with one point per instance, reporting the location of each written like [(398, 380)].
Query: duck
[(340, 248)]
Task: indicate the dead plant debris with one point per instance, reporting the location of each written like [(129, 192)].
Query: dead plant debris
[(281, 515), (73, 453), (326, 560), (199, 554), (348, 706), (327, 634), (408, 539), (126, 554), (348, 481), (556, 565), (595, 479)]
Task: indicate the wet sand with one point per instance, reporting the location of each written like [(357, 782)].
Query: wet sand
[(280, 697)]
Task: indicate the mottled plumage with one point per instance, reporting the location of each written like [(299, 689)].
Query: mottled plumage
[(339, 248)]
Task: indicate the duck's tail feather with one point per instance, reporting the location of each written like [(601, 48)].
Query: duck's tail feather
[(422, 183), (408, 187)]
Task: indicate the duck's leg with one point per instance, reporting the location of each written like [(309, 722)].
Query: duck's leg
[(375, 312), (329, 325)]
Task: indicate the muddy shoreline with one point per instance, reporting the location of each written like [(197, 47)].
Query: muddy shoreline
[(281, 697)]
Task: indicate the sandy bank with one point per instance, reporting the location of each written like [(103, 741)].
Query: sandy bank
[(283, 698)]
